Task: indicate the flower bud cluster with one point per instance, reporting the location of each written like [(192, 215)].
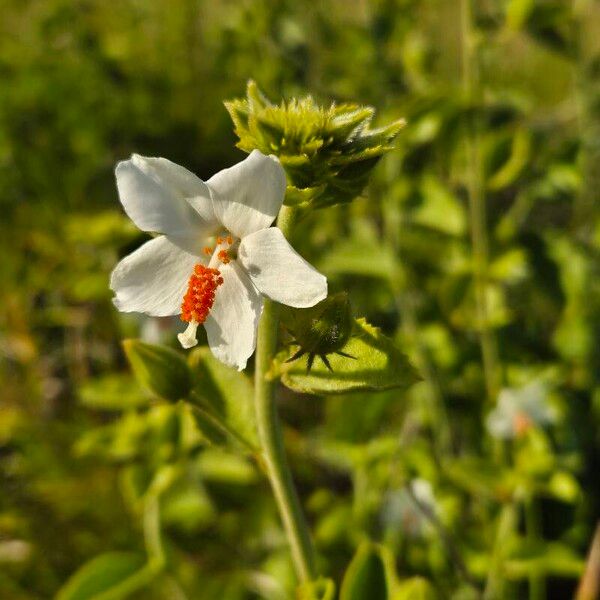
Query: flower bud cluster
[(328, 153)]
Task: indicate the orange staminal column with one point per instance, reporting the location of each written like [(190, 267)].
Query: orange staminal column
[(198, 301)]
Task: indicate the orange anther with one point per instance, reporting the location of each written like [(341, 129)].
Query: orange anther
[(207, 250), (200, 294), (229, 240), (219, 241), (223, 256)]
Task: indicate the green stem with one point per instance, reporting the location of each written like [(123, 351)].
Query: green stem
[(271, 439), (494, 587), (477, 206), (152, 533), (537, 581)]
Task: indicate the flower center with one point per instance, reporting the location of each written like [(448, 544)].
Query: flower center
[(202, 286), (200, 295), (224, 251), (521, 423)]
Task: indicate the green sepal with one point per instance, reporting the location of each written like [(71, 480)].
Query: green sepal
[(377, 364), (160, 369)]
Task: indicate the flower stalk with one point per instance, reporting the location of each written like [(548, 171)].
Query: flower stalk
[(270, 434)]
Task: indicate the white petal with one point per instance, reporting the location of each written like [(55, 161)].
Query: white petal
[(153, 279), (279, 272), (160, 196), (233, 320), (248, 196)]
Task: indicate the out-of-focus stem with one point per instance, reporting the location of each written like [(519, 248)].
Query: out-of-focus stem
[(506, 525), (410, 326), (271, 439), (477, 206), (537, 581), (587, 94)]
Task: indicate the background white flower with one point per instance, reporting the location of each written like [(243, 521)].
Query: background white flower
[(520, 408), (401, 512), (217, 249)]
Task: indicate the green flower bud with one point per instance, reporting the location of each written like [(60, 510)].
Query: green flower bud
[(160, 369), (328, 153), (321, 329)]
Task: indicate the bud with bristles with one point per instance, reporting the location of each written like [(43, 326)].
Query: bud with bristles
[(322, 329)]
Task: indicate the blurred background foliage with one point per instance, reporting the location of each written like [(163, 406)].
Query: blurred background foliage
[(476, 247)]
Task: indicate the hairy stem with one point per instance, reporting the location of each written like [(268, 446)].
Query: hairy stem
[(269, 431)]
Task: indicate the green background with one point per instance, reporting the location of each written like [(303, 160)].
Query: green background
[(84, 84)]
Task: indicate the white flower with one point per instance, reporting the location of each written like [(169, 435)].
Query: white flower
[(217, 255), (518, 409)]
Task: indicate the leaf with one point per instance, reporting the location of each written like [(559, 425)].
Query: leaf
[(415, 588), (226, 395), (548, 558), (514, 166), (321, 589), (377, 365), (99, 575), (112, 392), (365, 578), (358, 257), (439, 209), (160, 369)]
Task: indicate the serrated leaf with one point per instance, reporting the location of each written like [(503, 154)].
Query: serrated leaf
[(365, 578), (377, 365), (225, 394), (103, 573)]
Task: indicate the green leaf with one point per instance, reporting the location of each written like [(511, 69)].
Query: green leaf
[(355, 256), (225, 398), (548, 558), (160, 369), (514, 166), (321, 589), (440, 209), (112, 392), (365, 578), (98, 576), (377, 365), (415, 588)]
